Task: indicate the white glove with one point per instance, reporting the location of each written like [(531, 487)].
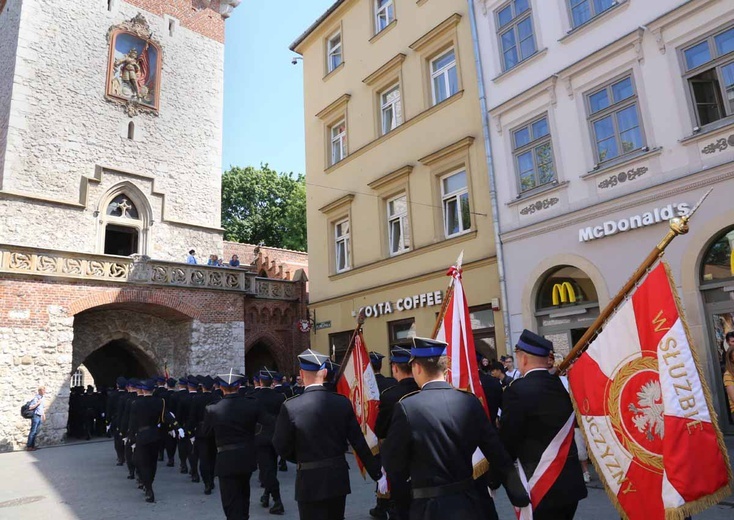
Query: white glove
[(102, 416), (181, 433), (382, 486), (172, 433), (132, 447), (192, 441), (108, 427), (124, 440)]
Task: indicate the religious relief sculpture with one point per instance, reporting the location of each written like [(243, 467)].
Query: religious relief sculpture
[(134, 68)]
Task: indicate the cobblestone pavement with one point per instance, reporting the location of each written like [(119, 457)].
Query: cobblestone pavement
[(81, 482)]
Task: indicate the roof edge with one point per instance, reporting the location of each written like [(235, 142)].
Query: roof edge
[(321, 19)]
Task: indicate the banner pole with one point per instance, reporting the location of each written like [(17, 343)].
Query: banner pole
[(360, 322), (678, 226), (446, 299)]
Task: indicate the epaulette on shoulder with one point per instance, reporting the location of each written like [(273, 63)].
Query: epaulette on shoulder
[(408, 395), (388, 388), (291, 397)]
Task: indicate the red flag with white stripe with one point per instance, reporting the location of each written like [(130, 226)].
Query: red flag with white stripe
[(646, 411), (463, 371), (359, 385)]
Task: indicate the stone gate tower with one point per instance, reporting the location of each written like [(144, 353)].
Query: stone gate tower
[(110, 168)]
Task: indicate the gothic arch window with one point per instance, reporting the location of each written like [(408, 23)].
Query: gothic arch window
[(565, 306), (124, 218)]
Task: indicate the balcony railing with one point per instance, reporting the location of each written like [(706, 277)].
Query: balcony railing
[(141, 270)]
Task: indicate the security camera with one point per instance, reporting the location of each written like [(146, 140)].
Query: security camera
[(294, 61)]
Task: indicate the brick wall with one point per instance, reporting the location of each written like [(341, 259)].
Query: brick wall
[(263, 257), (206, 22)]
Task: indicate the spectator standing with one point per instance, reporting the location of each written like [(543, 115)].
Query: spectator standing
[(191, 259), (510, 369), (39, 415), (234, 261), (214, 261), (497, 370)]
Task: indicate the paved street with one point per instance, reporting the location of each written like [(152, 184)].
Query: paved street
[(81, 482)]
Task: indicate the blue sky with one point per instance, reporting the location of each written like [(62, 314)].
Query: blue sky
[(263, 91)]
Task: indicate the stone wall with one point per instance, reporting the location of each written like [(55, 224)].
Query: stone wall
[(192, 14), (9, 26), (47, 328), (62, 128), (282, 263)]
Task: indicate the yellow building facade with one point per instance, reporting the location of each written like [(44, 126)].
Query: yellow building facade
[(396, 172)]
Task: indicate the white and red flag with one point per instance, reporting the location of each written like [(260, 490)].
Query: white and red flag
[(358, 384), (646, 411), (455, 329)]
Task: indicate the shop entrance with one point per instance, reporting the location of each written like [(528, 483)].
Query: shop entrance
[(717, 288)]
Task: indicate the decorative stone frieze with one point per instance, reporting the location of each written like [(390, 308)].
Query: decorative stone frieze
[(539, 206)]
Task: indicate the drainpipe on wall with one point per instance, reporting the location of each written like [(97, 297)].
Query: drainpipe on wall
[(490, 172)]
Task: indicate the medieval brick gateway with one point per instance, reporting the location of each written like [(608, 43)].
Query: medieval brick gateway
[(132, 316)]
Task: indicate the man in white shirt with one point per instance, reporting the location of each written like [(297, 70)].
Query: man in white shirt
[(39, 415), (510, 369)]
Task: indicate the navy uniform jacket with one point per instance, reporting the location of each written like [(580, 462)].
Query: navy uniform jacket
[(233, 421), (197, 408), (432, 437), (285, 390), (383, 383), (314, 428), (388, 399), (493, 393), (146, 412), (534, 409), (271, 402), (183, 409), (125, 417), (111, 412)]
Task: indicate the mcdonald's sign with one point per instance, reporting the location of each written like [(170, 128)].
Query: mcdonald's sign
[(563, 293)]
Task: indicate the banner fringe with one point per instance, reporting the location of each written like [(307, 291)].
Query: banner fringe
[(697, 506), (480, 468)]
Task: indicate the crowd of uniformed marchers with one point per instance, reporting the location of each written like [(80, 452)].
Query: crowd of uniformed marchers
[(226, 428)]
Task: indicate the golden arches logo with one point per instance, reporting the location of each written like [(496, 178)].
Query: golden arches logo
[(563, 293)]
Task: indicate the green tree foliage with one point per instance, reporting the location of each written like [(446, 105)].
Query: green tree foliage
[(262, 205)]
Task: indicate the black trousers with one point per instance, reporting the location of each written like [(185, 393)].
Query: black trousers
[(193, 458), (267, 461), (207, 457), (119, 447), (235, 493), (171, 444), (329, 509), (565, 512), (146, 462), (184, 446), (129, 458)]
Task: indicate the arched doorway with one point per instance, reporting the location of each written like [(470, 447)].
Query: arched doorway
[(259, 356), (717, 289), (118, 358), (566, 305)]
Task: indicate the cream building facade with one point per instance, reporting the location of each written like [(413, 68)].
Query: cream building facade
[(607, 118), (396, 172)]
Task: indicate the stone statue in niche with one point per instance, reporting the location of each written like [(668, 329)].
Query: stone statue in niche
[(134, 69)]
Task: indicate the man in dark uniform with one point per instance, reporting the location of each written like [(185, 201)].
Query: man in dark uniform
[(535, 408), (170, 442), (183, 405), (202, 445), (267, 458), (182, 392), (124, 420), (146, 413), (312, 431), (161, 391), (114, 401), (399, 503), (233, 422), (279, 387), (432, 437), (382, 381), (331, 370)]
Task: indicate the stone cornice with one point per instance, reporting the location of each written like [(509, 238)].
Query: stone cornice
[(388, 68), (454, 148), (441, 29), (395, 176), (334, 107), (337, 204), (665, 189)]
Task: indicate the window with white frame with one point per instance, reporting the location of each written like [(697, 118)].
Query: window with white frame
[(531, 145), (384, 14), (709, 66), (391, 110), (398, 229), (334, 51), (615, 120), (515, 30), (444, 76), (338, 133), (342, 244), (584, 10), (455, 201), (77, 379)]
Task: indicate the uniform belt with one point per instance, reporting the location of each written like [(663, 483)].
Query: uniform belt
[(143, 428), (442, 491), (319, 464), (230, 447)]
